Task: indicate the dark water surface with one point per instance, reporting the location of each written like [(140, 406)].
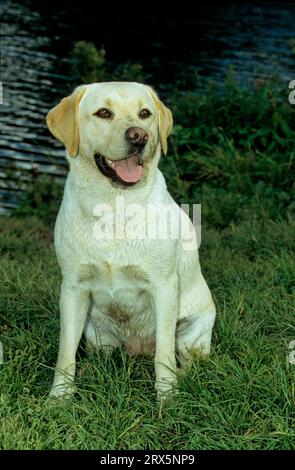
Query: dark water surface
[(38, 35)]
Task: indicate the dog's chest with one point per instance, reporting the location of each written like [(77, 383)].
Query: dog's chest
[(121, 296)]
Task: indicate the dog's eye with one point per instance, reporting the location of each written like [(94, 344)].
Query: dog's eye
[(144, 113), (103, 113)]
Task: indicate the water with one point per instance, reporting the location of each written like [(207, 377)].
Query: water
[(37, 37), (29, 88)]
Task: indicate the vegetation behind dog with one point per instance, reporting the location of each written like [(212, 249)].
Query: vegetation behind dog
[(232, 151)]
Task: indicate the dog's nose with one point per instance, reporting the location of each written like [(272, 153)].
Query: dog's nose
[(137, 136)]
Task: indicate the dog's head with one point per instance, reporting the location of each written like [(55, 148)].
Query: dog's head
[(119, 126)]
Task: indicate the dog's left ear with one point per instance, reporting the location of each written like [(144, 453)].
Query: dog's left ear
[(62, 121), (165, 120)]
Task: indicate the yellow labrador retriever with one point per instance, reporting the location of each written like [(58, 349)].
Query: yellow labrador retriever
[(125, 286)]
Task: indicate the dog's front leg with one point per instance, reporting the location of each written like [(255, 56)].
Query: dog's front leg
[(74, 305), (166, 301)]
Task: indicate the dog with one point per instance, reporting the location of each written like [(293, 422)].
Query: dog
[(146, 294)]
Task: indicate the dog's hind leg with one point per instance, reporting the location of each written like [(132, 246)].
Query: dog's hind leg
[(193, 334)]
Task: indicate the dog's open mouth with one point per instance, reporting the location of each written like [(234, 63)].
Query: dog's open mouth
[(127, 171)]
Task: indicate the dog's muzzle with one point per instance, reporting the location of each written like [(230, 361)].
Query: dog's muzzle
[(126, 171)]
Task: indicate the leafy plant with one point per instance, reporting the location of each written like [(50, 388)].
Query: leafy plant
[(88, 63), (41, 198)]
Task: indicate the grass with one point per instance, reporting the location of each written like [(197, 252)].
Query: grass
[(242, 397), (233, 153)]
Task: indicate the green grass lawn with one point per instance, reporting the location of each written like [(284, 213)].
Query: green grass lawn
[(234, 154), (241, 397)]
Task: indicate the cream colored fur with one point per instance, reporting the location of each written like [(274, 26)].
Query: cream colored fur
[(144, 295)]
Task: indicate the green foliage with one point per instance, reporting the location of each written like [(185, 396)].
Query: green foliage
[(130, 73), (242, 397), (89, 65), (41, 198), (88, 62), (233, 150)]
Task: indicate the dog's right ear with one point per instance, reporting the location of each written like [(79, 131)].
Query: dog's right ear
[(62, 120)]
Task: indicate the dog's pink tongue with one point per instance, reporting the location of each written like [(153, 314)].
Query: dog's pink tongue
[(129, 169)]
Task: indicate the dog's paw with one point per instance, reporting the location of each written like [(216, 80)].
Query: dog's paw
[(166, 388), (61, 392)]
